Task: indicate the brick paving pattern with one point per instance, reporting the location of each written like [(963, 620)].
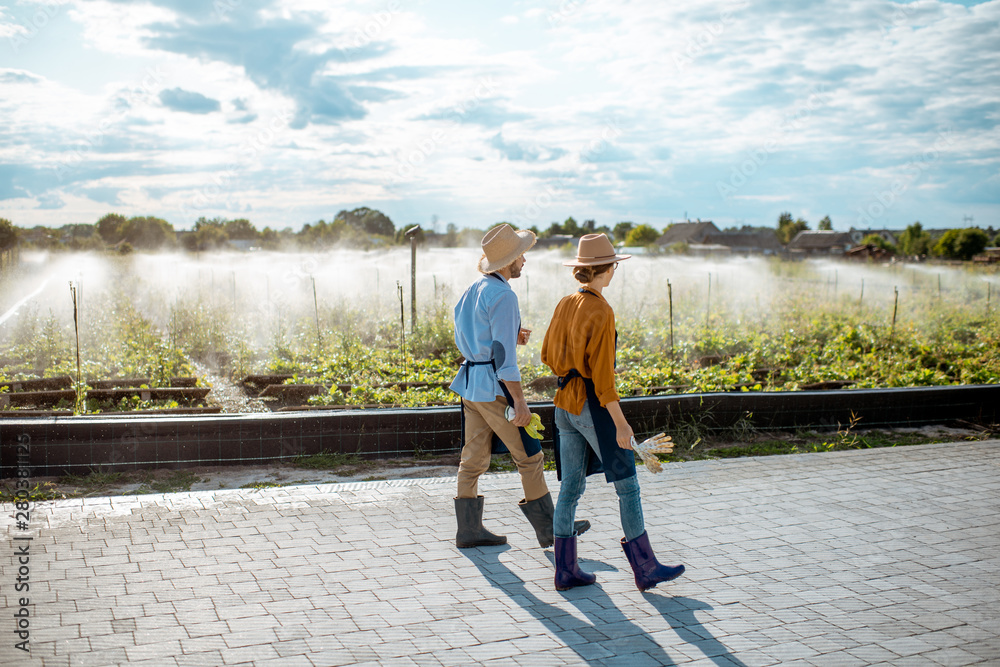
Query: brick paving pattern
[(888, 556)]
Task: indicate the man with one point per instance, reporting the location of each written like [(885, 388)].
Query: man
[(487, 329)]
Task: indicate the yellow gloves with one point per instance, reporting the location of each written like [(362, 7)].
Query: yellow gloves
[(534, 426), (650, 447)]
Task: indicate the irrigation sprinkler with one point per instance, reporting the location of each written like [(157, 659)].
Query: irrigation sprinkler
[(708, 300), (319, 334), (411, 234), (232, 274), (80, 404), (895, 305), (939, 287), (402, 326), (670, 300), (861, 298)]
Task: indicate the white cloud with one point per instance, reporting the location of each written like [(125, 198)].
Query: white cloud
[(806, 105)]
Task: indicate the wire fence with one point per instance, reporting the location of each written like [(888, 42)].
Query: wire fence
[(73, 446)]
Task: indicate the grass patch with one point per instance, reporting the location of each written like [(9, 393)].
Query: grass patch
[(41, 491), (178, 480), (326, 460), (501, 463)]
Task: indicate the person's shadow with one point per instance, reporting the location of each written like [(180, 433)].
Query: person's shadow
[(679, 612), (608, 632)]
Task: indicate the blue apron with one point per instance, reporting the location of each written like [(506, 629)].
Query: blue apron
[(531, 446), (617, 463)]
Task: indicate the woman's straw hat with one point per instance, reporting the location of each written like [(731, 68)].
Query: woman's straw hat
[(594, 250), (502, 245)]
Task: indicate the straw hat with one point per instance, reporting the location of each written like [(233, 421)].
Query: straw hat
[(502, 245), (594, 250)]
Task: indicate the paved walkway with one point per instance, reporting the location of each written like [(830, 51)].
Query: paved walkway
[(888, 556)]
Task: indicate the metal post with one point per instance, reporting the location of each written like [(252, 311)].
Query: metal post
[(411, 234)]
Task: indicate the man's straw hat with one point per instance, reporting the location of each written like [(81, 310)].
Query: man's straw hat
[(594, 250), (502, 245)]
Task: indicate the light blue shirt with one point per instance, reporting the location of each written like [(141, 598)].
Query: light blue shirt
[(487, 321)]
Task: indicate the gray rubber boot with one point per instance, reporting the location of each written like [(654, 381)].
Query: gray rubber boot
[(469, 512), (539, 512)]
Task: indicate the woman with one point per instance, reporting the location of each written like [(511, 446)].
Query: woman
[(592, 434)]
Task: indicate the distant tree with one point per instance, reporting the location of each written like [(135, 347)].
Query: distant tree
[(996, 240), (111, 227), (148, 233), (914, 240), (81, 237), (8, 234), (788, 228), (451, 235), (825, 224), (269, 239), (679, 248), (961, 243), (241, 229), (642, 236), (588, 226), (368, 220), (879, 242), (621, 230)]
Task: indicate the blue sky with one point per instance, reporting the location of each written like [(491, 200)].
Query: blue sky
[(874, 113)]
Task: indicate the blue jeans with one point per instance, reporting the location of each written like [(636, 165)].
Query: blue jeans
[(576, 436)]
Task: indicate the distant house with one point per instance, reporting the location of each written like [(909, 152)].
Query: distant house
[(747, 242), (820, 242), (889, 235), (687, 232), (871, 252), (555, 241)]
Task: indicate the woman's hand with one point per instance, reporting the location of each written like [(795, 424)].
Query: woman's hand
[(523, 335), (623, 432), (624, 435)]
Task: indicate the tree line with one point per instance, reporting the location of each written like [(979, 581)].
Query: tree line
[(364, 227)]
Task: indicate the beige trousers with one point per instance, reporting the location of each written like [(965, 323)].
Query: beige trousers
[(482, 420)]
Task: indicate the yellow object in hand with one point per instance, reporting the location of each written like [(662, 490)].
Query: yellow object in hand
[(534, 426)]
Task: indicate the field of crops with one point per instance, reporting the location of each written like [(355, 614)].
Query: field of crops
[(341, 322)]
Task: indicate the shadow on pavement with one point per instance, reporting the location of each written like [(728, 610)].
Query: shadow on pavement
[(679, 612), (608, 634)]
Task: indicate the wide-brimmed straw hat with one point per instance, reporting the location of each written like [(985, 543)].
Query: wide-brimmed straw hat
[(594, 250), (502, 245)]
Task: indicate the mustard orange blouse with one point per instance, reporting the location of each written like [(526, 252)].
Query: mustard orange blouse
[(581, 335)]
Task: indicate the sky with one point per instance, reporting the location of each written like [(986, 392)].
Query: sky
[(875, 113)]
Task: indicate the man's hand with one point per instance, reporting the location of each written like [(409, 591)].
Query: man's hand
[(523, 335), (522, 415)]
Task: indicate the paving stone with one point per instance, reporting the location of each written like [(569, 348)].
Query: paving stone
[(846, 558)]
